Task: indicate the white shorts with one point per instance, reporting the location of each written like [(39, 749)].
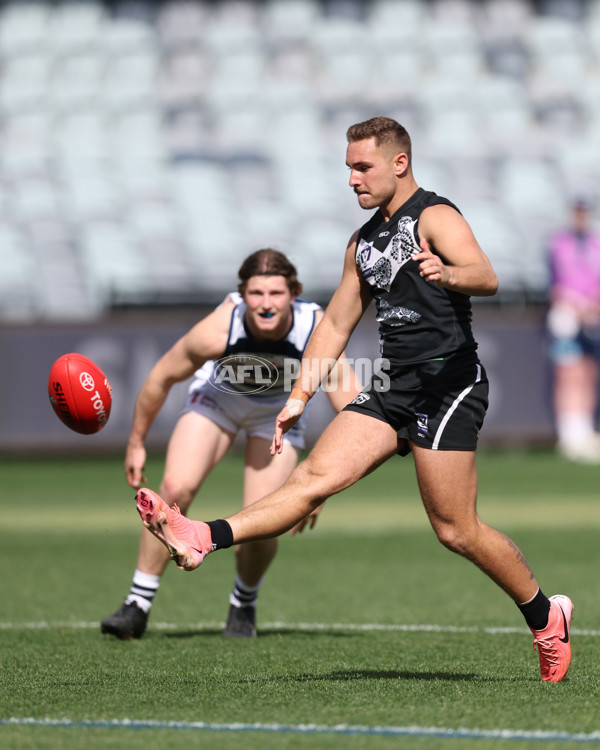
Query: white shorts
[(253, 414)]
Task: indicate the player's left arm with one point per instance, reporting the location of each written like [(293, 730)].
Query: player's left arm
[(458, 262)]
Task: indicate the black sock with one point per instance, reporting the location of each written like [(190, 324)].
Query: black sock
[(221, 534), (536, 611)]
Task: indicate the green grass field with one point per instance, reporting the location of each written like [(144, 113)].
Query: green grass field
[(371, 634)]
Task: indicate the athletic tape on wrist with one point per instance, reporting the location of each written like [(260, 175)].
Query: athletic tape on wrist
[(294, 406)]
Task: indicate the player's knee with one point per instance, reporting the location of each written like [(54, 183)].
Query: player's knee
[(453, 536), (312, 480)]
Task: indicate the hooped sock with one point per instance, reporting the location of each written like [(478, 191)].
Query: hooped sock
[(143, 590), (243, 595)]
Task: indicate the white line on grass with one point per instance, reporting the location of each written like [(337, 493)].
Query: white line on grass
[(323, 627), (340, 729)]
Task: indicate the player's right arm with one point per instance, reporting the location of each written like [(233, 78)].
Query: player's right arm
[(328, 341), (206, 340)]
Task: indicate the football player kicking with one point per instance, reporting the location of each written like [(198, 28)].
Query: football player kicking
[(418, 258), (262, 331)]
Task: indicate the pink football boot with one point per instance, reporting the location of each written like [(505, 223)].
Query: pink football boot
[(553, 643), (188, 541)]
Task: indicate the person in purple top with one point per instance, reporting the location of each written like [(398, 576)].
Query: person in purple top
[(574, 333)]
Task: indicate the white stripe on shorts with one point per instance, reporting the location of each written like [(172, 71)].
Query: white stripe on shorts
[(452, 409)]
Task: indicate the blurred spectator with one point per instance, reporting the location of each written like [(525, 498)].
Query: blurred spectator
[(574, 329)]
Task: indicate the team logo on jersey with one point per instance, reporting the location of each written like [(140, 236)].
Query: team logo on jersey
[(396, 315), (379, 267), (363, 254), (362, 398), (422, 424)]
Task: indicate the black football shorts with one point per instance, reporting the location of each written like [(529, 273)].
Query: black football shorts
[(440, 404)]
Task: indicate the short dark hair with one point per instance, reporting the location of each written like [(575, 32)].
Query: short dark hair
[(385, 131), (269, 262)]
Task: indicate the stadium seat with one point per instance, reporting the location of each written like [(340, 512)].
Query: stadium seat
[(75, 26), (319, 246), (82, 136), (27, 145), (579, 164), (463, 12), (289, 19), (23, 84), (112, 262), (508, 119), (62, 292), (530, 185), (497, 233), (34, 198), (127, 37), (136, 135), (24, 27), (76, 82), (434, 174), (407, 16), (182, 78), (511, 15), (180, 22)]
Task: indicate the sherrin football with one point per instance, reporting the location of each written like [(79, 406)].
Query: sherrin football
[(80, 393)]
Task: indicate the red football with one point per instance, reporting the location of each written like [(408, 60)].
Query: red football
[(80, 393)]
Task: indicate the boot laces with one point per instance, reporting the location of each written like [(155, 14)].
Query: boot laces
[(547, 649)]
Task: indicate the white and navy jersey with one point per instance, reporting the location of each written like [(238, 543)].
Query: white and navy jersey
[(418, 321), (259, 367)]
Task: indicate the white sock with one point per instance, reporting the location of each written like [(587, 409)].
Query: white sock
[(143, 590), (243, 595)]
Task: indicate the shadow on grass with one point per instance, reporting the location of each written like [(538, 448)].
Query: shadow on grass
[(265, 633), (394, 674), (351, 675)]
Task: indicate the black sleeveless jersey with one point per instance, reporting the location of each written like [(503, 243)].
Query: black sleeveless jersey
[(418, 321)]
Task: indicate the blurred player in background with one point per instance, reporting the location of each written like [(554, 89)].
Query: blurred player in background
[(574, 330), (418, 258), (264, 321)]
